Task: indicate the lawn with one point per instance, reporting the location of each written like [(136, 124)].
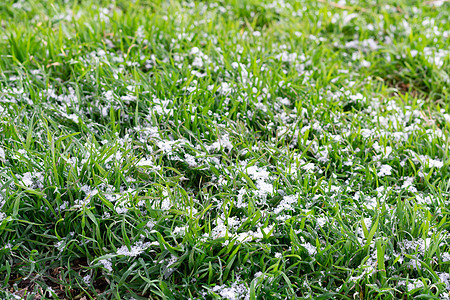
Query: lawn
[(224, 149)]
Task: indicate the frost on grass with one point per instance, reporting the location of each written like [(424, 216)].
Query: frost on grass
[(209, 155), (133, 250), (233, 292)]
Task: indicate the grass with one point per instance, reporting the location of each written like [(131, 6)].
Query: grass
[(224, 149)]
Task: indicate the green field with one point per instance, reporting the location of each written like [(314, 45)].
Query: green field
[(227, 149)]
